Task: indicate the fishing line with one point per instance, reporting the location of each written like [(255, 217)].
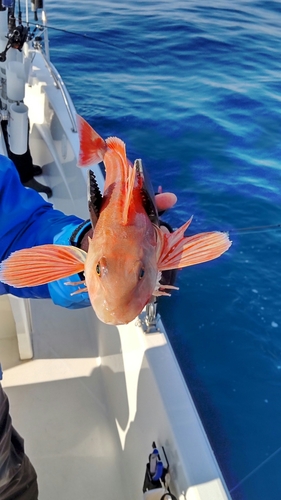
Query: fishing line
[(254, 229), (89, 37), (256, 469), (245, 230)]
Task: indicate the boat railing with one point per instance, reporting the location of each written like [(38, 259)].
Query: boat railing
[(149, 319), (23, 324), (61, 86)]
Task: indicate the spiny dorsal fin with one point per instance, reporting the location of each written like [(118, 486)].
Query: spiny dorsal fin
[(94, 198), (147, 192)]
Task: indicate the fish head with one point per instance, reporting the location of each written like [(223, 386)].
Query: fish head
[(120, 279)]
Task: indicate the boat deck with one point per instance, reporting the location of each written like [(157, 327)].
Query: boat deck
[(58, 406), (91, 402)]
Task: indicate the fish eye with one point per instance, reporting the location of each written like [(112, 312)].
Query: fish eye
[(98, 269), (141, 274)]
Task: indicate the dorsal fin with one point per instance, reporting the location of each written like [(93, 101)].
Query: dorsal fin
[(117, 145), (128, 174), (129, 193)]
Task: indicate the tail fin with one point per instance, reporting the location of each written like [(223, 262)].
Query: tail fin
[(176, 251), (92, 146), (40, 265)]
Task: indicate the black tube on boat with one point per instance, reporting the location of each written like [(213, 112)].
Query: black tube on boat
[(35, 5)]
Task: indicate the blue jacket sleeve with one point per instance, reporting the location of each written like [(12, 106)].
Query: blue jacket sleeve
[(26, 220)]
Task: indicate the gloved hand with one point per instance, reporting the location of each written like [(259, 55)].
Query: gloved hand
[(61, 294)]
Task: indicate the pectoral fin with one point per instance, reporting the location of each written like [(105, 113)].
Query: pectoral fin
[(176, 251), (40, 265)]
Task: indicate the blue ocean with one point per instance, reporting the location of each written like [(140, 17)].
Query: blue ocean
[(194, 89)]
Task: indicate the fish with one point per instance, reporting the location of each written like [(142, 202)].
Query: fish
[(128, 251)]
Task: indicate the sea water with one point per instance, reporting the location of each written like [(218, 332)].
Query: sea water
[(194, 89)]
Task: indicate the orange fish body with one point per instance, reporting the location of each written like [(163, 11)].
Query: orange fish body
[(120, 268), (127, 252)]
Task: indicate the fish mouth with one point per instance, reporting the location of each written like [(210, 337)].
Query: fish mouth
[(112, 319), (117, 316)]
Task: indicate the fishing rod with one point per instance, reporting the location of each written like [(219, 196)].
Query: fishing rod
[(18, 34), (88, 37)]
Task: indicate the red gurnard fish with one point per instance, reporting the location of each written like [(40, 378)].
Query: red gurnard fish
[(127, 252)]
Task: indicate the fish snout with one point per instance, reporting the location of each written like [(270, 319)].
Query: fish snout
[(119, 315), (118, 288), (118, 309)]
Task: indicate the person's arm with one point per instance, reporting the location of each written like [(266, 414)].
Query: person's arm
[(26, 220)]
